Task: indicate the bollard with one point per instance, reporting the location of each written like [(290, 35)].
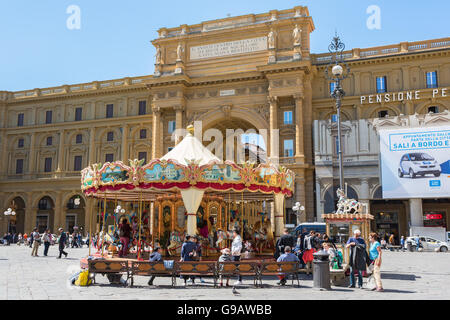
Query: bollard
[(321, 271)]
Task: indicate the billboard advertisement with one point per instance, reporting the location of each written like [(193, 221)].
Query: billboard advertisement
[(415, 162)]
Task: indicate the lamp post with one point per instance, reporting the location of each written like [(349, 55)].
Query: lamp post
[(298, 209), (338, 74), (8, 213)]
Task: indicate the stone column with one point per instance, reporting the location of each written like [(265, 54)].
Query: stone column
[(416, 212), (300, 196), (61, 151), (279, 215), (91, 146), (273, 124), (299, 146), (319, 202), (125, 130), (58, 220), (32, 157), (179, 121), (364, 194), (156, 138), (5, 164)]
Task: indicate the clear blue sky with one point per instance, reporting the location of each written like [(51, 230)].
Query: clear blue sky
[(38, 50)]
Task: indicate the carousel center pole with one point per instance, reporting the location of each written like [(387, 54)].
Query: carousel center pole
[(90, 227), (139, 227), (103, 224)]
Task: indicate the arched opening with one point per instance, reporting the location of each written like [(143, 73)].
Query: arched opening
[(331, 199), (75, 213), (45, 216), (245, 143), (16, 223)]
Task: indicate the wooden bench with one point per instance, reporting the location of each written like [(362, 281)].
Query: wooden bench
[(146, 268), (392, 248), (113, 269), (195, 269), (239, 268), (274, 268)]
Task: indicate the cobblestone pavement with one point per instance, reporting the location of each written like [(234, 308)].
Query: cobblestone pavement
[(405, 275)]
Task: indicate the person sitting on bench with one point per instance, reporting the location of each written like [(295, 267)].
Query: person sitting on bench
[(155, 256), (287, 256)]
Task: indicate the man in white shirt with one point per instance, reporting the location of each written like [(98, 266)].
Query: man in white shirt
[(36, 242), (236, 248)]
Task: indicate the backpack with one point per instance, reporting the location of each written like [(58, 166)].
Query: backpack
[(83, 279), (337, 260)]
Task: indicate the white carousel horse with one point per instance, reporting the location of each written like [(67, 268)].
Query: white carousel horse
[(176, 241), (346, 205)]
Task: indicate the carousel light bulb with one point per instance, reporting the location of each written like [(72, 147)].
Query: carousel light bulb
[(295, 208), (119, 207), (122, 211), (302, 208), (13, 213), (297, 204), (9, 209)]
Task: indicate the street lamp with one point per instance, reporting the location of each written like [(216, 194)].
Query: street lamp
[(338, 74), (8, 213), (298, 209)]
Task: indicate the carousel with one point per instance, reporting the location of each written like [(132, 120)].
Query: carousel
[(189, 191)]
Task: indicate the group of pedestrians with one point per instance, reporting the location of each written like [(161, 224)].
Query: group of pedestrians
[(36, 239), (359, 259)]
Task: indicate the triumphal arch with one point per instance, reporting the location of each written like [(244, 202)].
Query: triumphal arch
[(246, 72)]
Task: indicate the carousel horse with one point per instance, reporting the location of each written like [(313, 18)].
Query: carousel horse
[(346, 205), (263, 235), (222, 236), (176, 241)]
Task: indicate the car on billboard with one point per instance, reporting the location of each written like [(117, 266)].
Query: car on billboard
[(418, 164)]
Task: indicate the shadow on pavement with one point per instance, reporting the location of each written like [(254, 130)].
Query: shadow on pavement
[(396, 276), (398, 291)]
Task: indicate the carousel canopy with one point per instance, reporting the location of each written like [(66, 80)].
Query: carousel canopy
[(188, 167), (190, 149)]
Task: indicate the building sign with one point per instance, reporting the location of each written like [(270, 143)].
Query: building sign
[(434, 219), (415, 162), (224, 93), (400, 96), (229, 48)]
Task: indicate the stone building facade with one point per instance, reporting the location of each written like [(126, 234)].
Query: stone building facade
[(249, 72)]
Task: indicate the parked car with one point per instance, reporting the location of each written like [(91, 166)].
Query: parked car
[(430, 244), (418, 164)]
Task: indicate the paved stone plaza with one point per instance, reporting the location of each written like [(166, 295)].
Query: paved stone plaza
[(405, 275)]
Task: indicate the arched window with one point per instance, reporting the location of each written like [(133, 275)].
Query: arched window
[(331, 198)]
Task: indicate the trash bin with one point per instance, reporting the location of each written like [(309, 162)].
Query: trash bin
[(321, 270)]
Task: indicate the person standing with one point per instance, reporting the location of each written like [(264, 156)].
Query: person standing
[(36, 242), (417, 240), (124, 234), (402, 243), (375, 256), (285, 240), (46, 239), (287, 256), (188, 253), (198, 252), (62, 243), (236, 248), (357, 259)]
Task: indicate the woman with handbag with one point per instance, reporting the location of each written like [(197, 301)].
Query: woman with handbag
[(375, 257)]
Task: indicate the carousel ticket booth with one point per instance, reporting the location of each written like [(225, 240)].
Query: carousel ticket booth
[(340, 227), (189, 191)]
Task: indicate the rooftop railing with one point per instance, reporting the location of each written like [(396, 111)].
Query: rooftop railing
[(403, 47)]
